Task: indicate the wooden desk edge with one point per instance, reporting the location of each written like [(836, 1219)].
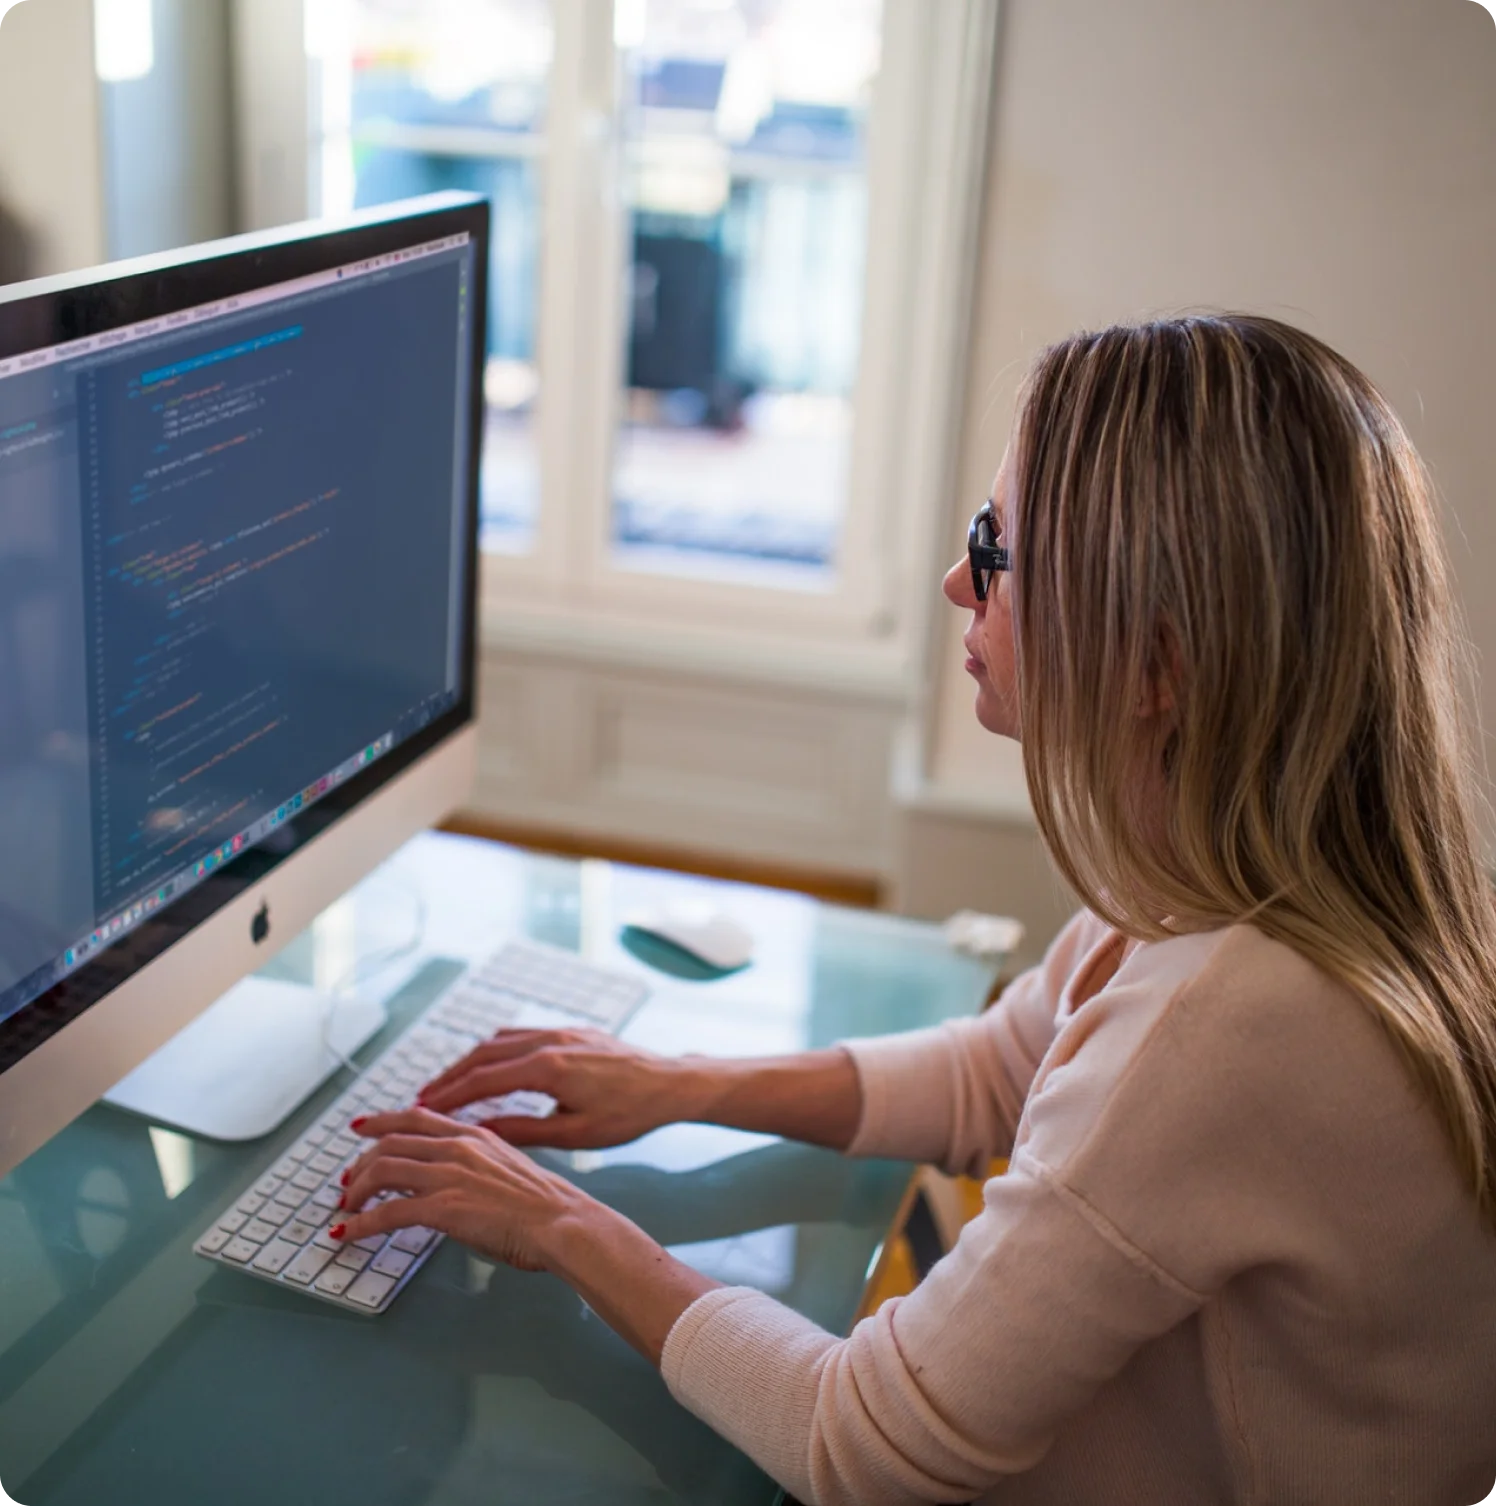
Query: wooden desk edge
[(885, 1250)]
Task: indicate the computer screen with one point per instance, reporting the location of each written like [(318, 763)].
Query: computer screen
[(237, 535)]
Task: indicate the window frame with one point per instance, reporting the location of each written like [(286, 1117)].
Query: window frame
[(869, 631)]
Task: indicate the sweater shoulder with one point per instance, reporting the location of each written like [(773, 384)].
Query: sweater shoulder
[(1242, 996), (1209, 1037)]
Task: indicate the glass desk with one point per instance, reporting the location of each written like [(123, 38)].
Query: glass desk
[(133, 1373)]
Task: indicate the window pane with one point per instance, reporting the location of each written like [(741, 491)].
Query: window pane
[(745, 172), (422, 95)]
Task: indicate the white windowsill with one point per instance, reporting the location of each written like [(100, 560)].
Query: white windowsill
[(866, 671)]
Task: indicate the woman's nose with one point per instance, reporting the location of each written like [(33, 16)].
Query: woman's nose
[(958, 587)]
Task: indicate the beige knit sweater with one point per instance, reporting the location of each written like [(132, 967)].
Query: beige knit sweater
[(1232, 1260)]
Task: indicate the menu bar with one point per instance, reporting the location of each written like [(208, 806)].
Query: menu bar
[(146, 329)]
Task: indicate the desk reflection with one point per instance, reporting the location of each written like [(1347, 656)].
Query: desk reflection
[(434, 1403)]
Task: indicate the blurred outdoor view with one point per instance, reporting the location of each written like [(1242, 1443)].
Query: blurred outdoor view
[(743, 132)]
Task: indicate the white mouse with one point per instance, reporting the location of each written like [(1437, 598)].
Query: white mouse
[(700, 929)]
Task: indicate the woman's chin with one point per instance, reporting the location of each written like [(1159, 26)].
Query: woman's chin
[(994, 715)]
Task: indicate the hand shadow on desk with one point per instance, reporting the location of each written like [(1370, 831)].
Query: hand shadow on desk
[(535, 1326), (781, 1183)]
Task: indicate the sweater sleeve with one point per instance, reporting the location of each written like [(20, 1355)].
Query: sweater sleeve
[(952, 1095), (940, 1394), (1046, 1296)]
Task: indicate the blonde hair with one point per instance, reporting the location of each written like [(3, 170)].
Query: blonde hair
[(1226, 507)]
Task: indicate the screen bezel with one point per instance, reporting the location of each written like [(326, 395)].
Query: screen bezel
[(34, 316)]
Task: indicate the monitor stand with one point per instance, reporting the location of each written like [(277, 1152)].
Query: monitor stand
[(244, 1065)]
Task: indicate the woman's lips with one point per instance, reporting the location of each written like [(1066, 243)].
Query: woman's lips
[(974, 665)]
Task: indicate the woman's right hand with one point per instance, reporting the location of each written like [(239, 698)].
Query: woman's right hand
[(606, 1093)]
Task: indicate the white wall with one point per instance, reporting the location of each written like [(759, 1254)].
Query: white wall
[(1332, 162), (168, 157), (50, 173)]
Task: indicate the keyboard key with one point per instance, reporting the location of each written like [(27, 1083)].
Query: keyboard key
[(324, 1241), (274, 1258), (324, 1163), (307, 1266), (527, 1103), (342, 1147), (283, 1168), (313, 1214), (306, 1179), (371, 1289), (234, 1221), (297, 1232), (250, 1203), (268, 1186), (352, 1257), (371, 1242), (240, 1250), (258, 1231), (214, 1240), (335, 1280), (290, 1195), (274, 1214), (329, 1197), (392, 1262), (413, 1240)]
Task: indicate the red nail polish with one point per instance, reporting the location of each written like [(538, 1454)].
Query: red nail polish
[(338, 1230), (358, 1123), (344, 1179), (342, 1202)]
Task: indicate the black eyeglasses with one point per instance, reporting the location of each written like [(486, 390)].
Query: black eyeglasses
[(986, 554)]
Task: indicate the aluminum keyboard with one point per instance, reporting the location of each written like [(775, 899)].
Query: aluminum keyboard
[(277, 1229)]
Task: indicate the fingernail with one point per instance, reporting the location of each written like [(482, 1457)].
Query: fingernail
[(342, 1202), (344, 1179), (358, 1123), (338, 1230)]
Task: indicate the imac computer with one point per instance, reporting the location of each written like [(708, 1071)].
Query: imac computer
[(238, 554)]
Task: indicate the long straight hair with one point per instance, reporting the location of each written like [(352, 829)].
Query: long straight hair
[(1225, 507)]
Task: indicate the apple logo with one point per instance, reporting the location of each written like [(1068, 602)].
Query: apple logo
[(259, 927)]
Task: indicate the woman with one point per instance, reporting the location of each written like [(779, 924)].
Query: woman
[(1245, 1247)]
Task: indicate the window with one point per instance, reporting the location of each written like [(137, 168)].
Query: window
[(727, 290), (744, 176)]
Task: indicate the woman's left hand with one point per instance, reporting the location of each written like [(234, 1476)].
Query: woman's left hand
[(460, 1179)]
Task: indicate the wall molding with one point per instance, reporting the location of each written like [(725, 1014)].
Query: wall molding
[(784, 774)]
